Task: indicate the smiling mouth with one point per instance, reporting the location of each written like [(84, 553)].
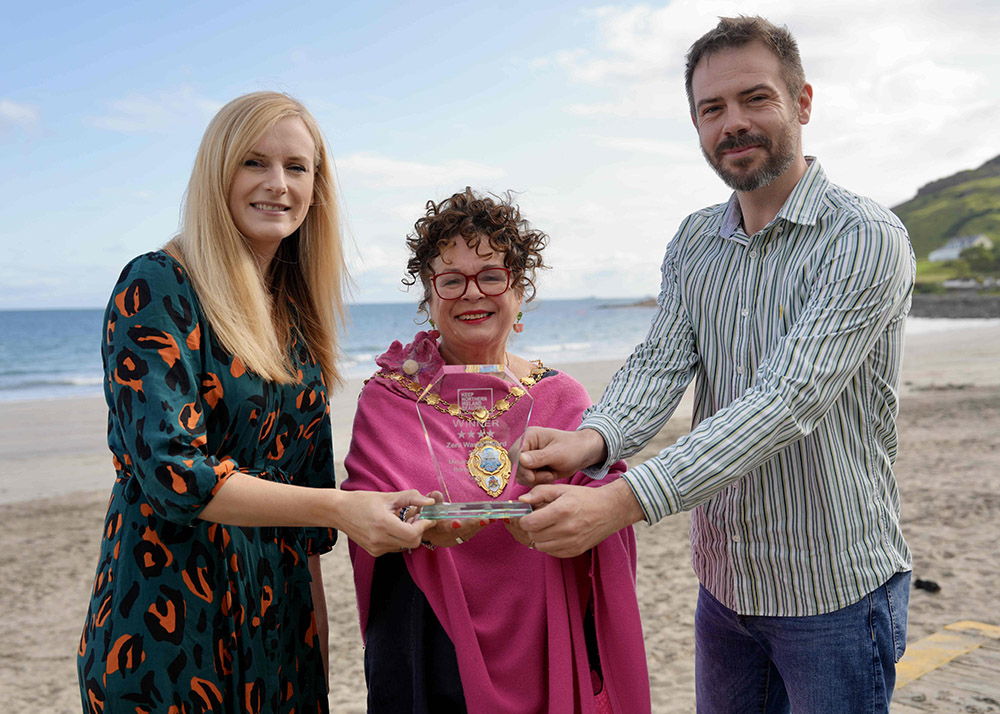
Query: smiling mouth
[(270, 207), (470, 316), (738, 146), (740, 151)]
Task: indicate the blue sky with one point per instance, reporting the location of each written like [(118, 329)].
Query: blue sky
[(577, 106)]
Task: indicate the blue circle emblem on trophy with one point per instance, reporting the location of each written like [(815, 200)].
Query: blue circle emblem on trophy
[(489, 459)]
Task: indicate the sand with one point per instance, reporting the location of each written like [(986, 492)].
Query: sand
[(55, 475)]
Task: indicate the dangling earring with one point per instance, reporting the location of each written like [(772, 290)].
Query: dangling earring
[(518, 327), (431, 321)]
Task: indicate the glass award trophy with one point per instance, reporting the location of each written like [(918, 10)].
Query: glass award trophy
[(474, 417)]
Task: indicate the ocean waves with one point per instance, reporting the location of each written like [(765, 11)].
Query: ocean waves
[(52, 354)]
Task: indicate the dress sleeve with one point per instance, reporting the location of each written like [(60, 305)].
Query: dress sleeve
[(154, 367)]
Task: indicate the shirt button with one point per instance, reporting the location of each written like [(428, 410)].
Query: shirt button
[(744, 312), (739, 369), (736, 538), (753, 254)]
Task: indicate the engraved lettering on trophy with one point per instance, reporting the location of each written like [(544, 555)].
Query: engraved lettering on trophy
[(486, 409)]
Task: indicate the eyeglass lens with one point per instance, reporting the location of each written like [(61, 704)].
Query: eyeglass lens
[(451, 286)]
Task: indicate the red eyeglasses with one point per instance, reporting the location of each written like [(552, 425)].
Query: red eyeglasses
[(453, 285)]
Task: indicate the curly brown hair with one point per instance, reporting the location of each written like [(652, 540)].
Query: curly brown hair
[(474, 217)]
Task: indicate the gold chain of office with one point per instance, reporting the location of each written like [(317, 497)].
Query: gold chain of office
[(478, 415)]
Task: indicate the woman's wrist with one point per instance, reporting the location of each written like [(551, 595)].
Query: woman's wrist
[(335, 506)]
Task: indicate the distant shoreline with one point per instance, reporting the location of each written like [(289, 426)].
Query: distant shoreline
[(948, 305), (955, 305)]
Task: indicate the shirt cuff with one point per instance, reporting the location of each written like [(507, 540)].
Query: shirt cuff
[(655, 490), (608, 429)]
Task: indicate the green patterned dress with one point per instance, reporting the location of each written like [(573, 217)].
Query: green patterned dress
[(188, 616)]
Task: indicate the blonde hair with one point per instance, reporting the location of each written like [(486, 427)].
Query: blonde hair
[(252, 313)]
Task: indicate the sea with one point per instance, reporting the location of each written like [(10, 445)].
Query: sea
[(55, 354)]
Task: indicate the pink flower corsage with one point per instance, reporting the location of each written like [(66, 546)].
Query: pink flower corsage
[(420, 360)]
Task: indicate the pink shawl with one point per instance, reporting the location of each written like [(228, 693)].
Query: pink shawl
[(514, 615)]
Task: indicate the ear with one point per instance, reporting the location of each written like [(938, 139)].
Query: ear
[(805, 103)]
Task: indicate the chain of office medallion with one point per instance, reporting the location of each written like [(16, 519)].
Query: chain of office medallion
[(479, 415)]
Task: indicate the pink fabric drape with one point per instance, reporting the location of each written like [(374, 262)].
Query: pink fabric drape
[(515, 615)]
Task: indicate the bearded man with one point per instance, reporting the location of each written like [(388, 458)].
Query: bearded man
[(786, 304)]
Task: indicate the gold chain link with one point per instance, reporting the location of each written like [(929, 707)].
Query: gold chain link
[(479, 415)]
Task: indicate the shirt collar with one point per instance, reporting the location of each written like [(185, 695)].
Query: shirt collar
[(802, 205)]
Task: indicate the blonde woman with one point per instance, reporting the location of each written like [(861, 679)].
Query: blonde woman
[(218, 351)]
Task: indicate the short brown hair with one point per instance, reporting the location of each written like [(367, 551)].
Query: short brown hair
[(733, 32), (472, 217)]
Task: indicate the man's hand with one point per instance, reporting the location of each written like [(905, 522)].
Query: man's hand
[(513, 526), (549, 454), (576, 518)]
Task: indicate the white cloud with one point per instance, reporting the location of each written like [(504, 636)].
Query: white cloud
[(383, 172), (641, 42), (16, 113), (650, 98), (378, 254), (674, 150), (906, 91), (157, 112)]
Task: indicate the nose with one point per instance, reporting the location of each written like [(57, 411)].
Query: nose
[(472, 291), (737, 121), (274, 181)]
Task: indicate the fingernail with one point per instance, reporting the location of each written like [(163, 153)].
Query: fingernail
[(456, 524), (483, 522), (506, 520)]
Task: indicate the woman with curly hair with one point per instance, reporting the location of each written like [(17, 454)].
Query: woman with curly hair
[(477, 620)]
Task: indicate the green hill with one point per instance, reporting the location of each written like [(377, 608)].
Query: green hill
[(966, 203)]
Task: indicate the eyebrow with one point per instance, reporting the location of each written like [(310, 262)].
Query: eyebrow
[(300, 159), (757, 88), (488, 266), (742, 93)]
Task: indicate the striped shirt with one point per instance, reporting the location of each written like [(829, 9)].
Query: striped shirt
[(795, 336)]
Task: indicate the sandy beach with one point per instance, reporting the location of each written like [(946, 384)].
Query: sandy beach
[(55, 474)]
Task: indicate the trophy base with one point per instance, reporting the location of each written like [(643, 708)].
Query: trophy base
[(489, 510)]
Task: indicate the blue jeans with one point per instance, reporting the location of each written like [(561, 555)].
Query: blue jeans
[(842, 662)]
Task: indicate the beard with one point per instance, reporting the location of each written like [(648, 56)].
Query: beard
[(781, 154)]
